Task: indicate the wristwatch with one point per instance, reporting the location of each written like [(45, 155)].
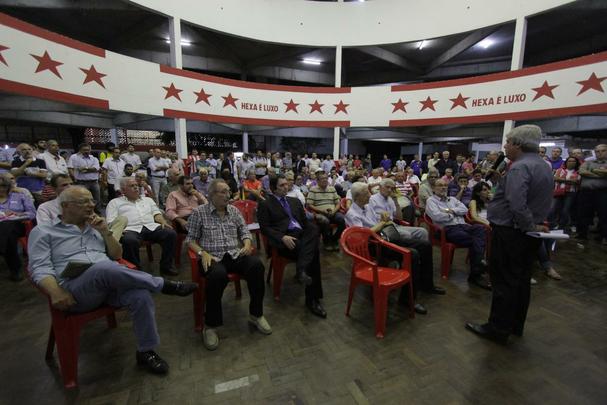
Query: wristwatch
[(199, 253)]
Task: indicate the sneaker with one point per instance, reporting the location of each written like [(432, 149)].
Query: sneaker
[(152, 362), (261, 324), (210, 338), (533, 281), (553, 274)]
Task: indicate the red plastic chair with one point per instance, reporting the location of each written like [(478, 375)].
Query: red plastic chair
[(276, 268), (65, 334), (343, 207), (248, 209), (199, 296), (355, 243), (29, 225), (439, 238)]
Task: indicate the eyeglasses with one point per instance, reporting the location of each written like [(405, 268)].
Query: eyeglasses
[(83, 201)]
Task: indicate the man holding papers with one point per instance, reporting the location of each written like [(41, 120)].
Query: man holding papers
[(521, 204)]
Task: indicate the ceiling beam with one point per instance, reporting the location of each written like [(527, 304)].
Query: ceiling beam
[(461, 46), (68, 4), (214, 42), (275, 57), (60, 118), (390, 57)]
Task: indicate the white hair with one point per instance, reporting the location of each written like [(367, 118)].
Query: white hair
[(526, 136), (358, 189)]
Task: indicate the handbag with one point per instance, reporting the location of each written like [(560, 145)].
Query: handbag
[(390, 233)]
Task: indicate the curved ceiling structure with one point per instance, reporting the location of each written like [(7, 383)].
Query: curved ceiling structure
[(375, 22)]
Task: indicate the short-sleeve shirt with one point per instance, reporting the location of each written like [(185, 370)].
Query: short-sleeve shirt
[(78, 161), (322, 199)]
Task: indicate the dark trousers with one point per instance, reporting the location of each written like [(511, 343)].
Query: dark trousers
[(324, 223), (472, 237), (10, 231), (512, 256), (111, 192), (589, 202), (307, 258), (250, 268), (131, 242), (561, 210), (422, 264)]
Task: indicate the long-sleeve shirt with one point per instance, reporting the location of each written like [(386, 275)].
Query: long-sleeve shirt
[(19, 203), (47, 212), (524, 194), (378, 204), (215, 234), (180, 205), (52, 246), (357, 216), (436, 206)]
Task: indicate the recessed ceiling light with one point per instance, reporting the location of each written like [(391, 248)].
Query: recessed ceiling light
[(486, 43), (311, 61), (184, 42), (422, 44)]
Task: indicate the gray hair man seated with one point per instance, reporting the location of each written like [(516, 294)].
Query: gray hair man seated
[(81, 279), (361, 214)]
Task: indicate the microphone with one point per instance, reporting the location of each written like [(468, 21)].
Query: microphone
[(500, 158)]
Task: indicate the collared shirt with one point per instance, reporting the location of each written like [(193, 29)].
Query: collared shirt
[(19, 202), (5, 157), (453, 190), (425, 192), (51, 246), (202, 187), (33, 183), (594, 183), (243, 167), (155, 165), (378, 204), (327, 165), (77, 161), (139, 214), (296, 193), (215, 234), (180, 205), (323, 199), (357, 216), (435, 208), (524, 194), (313, 165), (131, 158), (48, 211), (260, 165), (54, 163), (115, 170)]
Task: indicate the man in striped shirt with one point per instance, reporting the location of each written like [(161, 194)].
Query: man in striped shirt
[(323, 201)]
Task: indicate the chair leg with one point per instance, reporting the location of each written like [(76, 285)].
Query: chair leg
[(68, 346), (277, 279), (148, 248), (268, 278), (111, 321), (197, 299), (353, 286), (238, 289), (380, 306), (444, 263), (50, 345)]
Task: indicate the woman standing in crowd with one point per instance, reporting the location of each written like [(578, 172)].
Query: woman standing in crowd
[(566, 182)]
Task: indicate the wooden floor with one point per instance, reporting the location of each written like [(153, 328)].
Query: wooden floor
[(429, 360)]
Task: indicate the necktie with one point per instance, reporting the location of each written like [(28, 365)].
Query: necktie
[(293, 224)]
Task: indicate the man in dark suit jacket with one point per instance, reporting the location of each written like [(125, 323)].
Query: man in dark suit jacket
[(446, 163), (228, 163), (283, 221), (299, 164)]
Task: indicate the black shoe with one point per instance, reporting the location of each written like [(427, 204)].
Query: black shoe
[(152, 362), (479, 281), (436, 291), (303, 278), (487, 332), (171, 271), (316, 308), (420, 309), (180, 288)]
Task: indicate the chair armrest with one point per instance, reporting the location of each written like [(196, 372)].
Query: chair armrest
[(401, 222), (399, 249), (126, 263)]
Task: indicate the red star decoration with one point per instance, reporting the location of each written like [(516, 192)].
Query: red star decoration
[(92, 75), (428, 103), (202, 96), (3, 48), (46, 63), (459, 101), (172, 91), (399, 105), (291, 106), (593, 82), (229, 100), (544, 90), (316, 106), (341, 107)]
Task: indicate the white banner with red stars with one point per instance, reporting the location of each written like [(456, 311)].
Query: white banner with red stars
[(39, 63)]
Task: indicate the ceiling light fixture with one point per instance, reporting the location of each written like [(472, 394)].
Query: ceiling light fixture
[(312, 61), (421, 45), (184, 42), (486, 43)]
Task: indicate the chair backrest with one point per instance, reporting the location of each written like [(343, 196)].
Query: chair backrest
[(343, 207), (355, 242), (437, 234), (247, 208)]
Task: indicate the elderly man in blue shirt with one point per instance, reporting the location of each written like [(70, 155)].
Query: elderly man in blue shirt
[(71, 259), (449, 213)]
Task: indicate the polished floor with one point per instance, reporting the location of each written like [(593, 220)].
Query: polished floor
[(432, 359)]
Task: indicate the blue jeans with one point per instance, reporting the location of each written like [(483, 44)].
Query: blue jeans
[(561, 210)]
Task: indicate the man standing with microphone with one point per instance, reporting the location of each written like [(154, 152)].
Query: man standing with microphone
[(520, 205)]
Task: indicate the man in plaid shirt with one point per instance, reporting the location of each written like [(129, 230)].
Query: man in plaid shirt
[(215, 232)]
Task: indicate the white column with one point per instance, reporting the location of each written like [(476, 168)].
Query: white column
[(114, 136), (245, 142), (336, 131), (344, 146), (420, 150), (518, 53), (181, 140)]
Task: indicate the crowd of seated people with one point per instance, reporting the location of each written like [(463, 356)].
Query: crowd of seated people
[(122, 201)]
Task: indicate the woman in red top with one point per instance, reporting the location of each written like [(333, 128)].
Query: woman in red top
[(566, 183), (252, 187)]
